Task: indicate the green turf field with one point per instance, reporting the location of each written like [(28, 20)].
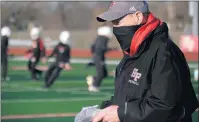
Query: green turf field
[(24, 100)]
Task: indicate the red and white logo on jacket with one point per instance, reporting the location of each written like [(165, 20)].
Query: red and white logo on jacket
[(136, 76)]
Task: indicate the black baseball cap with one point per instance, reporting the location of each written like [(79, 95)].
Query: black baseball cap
[(119, 9)]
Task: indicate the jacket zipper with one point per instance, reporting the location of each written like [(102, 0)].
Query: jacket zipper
[(120, 70), (125, 109)]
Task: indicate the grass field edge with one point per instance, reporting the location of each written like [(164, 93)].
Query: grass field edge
[(31, 116), (37, 116)]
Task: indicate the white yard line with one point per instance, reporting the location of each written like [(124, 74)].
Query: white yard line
[(31, 116), (23, 88), (73, 60), (86, 60), (38, 116), (41, 83), (53, 100)]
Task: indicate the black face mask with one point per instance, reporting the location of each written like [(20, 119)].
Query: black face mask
[(125, 35)]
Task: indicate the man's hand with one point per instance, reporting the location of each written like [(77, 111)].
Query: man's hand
[(28, 55), (99, 116), (67, 66), (33, 59), (34, 44), (61, 65), (108, 114), (111, 114)]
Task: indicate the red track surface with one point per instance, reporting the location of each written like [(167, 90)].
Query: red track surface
[(85, 53)]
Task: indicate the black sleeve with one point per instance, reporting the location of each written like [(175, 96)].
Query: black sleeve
[(53, 52), (106, 103), (6, 45), (66, 57), (43, 52), (4, 42), (93, 48), (42, 49), (100, 50), (161, 98), (101, 43), (35, 50), (105, 46)]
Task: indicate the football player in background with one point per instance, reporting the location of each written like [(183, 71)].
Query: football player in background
[(5, 36), (99, 48), (36, 52), (62, 56)]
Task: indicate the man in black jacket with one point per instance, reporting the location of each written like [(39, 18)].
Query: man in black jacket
[(37, 52), (152, 81), (62, 55), (5, 35), (99, 49)]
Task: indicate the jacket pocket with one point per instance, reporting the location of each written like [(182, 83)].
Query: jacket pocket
[(131, 91)]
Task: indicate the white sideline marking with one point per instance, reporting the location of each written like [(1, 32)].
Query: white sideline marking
[(41, 116), (70, 90), (73, 60), (53, 100), (38, 116), (43, 90), (86, 60), (23, 88)]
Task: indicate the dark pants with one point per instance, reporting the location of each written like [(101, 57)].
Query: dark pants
[(101, 73), (52, 74), (32, 68), (4, 67)]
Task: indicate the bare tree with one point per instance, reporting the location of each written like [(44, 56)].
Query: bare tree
[(19, 14), (61, 10)]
